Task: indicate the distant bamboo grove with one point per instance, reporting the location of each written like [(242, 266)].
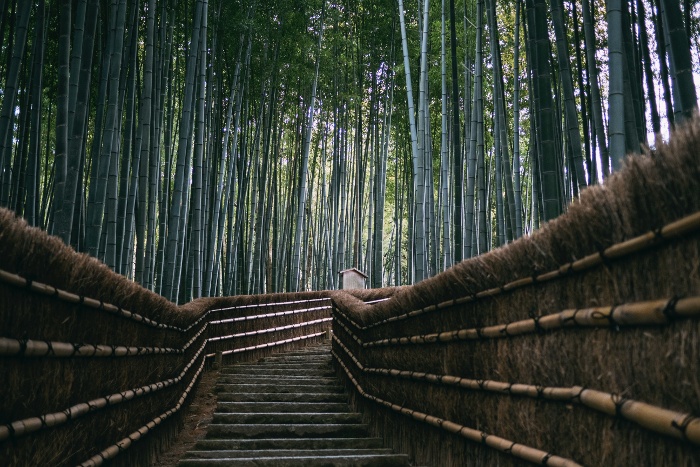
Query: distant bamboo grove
[(222, 147)]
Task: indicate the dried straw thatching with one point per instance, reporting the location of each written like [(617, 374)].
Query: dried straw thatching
[(533, 348), (582, 340), (89, 356)]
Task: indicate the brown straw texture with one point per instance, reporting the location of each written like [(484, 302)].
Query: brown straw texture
[(600, 303)]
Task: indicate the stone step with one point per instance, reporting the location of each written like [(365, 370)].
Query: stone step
[(279, 379), (290, 430), (281, 387), (322, 372), (288, 444), (281, 397), (298, 358), (287, 410), (284, 365), (249, 407), (233, 454), (289, 417), (379, 460), (304, 353)]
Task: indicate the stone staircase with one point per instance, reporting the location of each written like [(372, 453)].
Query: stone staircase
[(287, 410)]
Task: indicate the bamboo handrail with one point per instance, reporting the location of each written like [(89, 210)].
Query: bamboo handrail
[(674, 230), (269, 344), (117, 448), (651, 312), (260, 305), (30, 425), (658, 419), (44, 289), (269, 315), (40, 348), (521, 451), (61, 349), (270, 330)]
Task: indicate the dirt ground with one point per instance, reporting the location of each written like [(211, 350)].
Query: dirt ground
[(197, 417)]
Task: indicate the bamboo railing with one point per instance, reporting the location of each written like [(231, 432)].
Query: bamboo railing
[(242, 331), (390, 368)]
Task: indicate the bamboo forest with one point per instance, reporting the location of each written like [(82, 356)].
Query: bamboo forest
[(222, 147)]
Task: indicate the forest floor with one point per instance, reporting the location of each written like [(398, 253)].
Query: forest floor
[(198, 415)]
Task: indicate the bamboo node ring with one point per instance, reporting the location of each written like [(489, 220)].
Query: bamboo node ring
[(683, 425), (669, 310)]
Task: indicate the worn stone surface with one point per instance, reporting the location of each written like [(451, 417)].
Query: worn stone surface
[(287, 410)]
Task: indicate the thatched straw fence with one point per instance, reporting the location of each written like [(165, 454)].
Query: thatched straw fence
[(577, 345), (95, 368)]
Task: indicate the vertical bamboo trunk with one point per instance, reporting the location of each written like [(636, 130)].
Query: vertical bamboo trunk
[(444, 165), (176, 231), (31, 211), (10, 92), (198, 158), (616, 117), (685, 100), (477, 114), (648, 73), (296, 260), (544, 110), (516, 126), (570, 115), (101, 167), (596, 107)]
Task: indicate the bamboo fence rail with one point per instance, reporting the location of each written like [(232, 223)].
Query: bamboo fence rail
[(684, 426), (37, 348), (674, 230), (267, 331), (272, 304), (520, 451), (44, 289), (270, 315), (257, 305), (29, 425), (270, 344), (653, 312), (26, 348), (117, 448)]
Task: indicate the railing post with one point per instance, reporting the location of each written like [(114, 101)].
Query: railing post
[(219, 360)]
